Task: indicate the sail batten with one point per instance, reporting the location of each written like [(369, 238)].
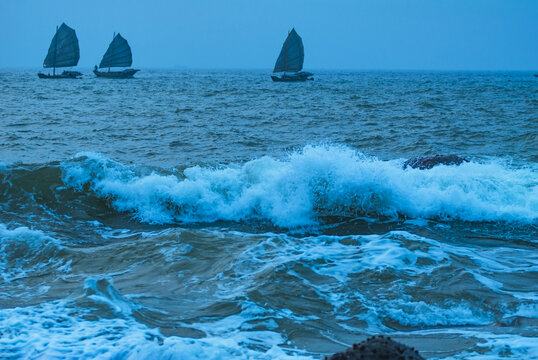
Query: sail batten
[(63, 50), (291, 56), (118, 54)]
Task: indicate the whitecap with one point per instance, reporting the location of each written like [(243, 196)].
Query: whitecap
[(314, 182)]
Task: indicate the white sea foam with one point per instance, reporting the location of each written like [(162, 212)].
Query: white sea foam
[(420, 313), (529, 310), (61, 330), (343, 258), (54, 330), (329, 256), (497, 346), (316, 181)]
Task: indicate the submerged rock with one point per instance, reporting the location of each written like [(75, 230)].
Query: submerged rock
[(427, 162), (378, 347)]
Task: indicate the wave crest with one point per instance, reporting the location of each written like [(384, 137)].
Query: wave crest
[(309, 184)]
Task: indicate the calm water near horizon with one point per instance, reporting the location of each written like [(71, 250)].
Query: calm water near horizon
[(213, 214)]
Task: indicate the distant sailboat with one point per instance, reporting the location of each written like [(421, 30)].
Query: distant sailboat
[(291, 59), (63, 52), (118, 55)]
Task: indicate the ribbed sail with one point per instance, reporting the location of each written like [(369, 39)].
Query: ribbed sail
[(118, 54), (63, 50), (291, 56)]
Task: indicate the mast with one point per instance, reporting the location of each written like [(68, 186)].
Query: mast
[(286, 58), (55, 46), (113, 36)]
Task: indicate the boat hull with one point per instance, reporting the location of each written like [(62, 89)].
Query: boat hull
[(64, 75), (300, 76), (125, 74)]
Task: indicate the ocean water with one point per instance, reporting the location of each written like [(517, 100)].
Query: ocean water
[(219, 215)]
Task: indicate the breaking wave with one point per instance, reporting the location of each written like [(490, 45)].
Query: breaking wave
[(309, 184), (25, 252), (316, 185)]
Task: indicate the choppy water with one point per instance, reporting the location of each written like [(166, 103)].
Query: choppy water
[(220, 215)]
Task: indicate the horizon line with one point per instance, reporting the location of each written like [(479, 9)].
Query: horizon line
[(269, 70)]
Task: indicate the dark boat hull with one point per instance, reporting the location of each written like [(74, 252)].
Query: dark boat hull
[(300, 76), (64, 75), (125, 74)]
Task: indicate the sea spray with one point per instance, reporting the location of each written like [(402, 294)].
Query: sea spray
[(317, 181)]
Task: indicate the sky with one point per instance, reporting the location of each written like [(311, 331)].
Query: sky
[(248, 34)]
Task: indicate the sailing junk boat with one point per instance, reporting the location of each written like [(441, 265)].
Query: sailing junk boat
[(63, 52), (118, 55), (291, 58)]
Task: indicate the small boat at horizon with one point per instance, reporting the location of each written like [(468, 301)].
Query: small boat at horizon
[(63, 52), (290, 61), (118, 54)]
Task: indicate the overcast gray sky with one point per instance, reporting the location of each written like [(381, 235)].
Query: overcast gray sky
[(248, 34)]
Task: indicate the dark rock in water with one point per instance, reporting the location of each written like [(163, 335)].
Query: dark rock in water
[(427, 162), (378, 347)]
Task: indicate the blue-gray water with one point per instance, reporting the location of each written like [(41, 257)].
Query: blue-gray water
[(192, 214)]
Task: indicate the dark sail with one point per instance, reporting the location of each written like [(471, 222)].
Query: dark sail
[(63, 50), (291, 56), (118, 54)]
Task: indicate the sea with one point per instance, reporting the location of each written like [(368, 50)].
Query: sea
[(200, 214)]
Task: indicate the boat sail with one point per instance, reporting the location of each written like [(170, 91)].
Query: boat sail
[(118, 55), (63, 52), (291, 58)]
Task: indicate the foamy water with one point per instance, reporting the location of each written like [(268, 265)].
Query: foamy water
[(316, 181), (222, 216)]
